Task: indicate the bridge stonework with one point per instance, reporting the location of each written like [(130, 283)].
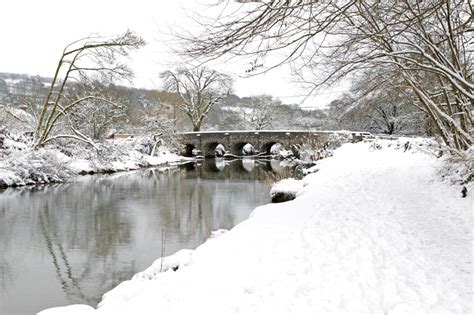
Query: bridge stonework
[(262, 140)]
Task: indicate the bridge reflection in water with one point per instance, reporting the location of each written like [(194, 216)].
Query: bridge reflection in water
[(239, 169)]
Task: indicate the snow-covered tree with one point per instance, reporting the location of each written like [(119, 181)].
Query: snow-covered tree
[(103, 109), (199, 90)]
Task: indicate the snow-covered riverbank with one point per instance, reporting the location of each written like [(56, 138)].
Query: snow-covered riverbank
[(21, 165), (373, 231)]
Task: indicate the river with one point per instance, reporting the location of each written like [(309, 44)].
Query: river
[(71, 243)]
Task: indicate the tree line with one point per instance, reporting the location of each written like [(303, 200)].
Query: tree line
[(141, 111)]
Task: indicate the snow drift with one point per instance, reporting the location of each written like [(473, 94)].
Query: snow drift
[(285, 190)]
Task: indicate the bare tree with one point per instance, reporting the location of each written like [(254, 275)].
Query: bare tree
[(97, 55), (261, 115), (426, 43), (387, 119), (199, 89)]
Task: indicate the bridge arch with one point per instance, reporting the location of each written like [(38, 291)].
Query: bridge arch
[(188, 149), (238, 146), (266, 148), (209, 149)]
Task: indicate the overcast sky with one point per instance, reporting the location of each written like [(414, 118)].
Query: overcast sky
[(34, 33)]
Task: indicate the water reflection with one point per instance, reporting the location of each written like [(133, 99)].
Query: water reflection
[(70, 243), (241, 169)]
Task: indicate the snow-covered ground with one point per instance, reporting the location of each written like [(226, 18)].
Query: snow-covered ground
[(373, 231), (21, 165), (285, 189)]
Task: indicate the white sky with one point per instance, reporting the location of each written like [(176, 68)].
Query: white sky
[(33, 34)]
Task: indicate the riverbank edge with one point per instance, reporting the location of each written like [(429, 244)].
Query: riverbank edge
[(80, 167)]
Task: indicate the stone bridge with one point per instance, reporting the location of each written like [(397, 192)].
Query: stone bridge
[(261, 140)]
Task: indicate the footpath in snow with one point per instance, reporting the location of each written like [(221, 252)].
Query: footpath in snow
[(373, 231)]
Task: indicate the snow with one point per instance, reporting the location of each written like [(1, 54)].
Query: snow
[(248, 149), (373, 231), (22, 165), (239, 110), (287, 186), (76, 309), (176, 261), (81, 166), (8, 178), (10, 144), (219, 150), (329, 132)]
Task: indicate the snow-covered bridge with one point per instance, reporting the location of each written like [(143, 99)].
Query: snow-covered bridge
[(261, 140)]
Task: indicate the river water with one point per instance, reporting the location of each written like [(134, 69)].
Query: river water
[(73, 242)]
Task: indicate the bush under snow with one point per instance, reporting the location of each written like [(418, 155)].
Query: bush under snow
[(21, 165)]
